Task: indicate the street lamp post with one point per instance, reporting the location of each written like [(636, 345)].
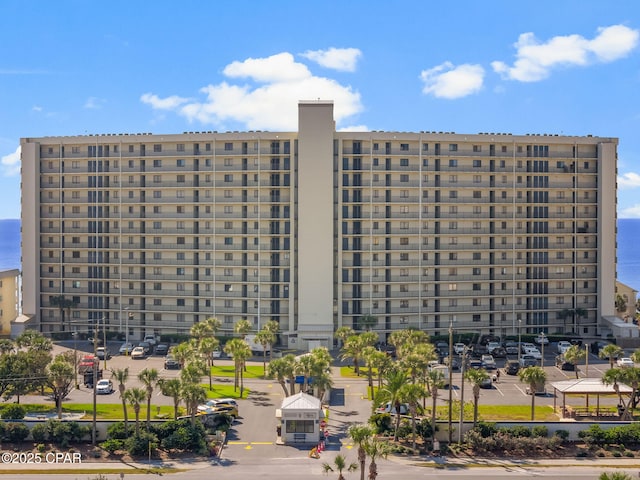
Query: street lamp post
[(462, 365), (519, 338), (542, 340), (95, 380), (74, 334), (104, 341), (126, 334), (450, 378)]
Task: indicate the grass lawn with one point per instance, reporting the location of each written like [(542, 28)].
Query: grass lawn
[(224, 391), (348, 372), (253, 371)]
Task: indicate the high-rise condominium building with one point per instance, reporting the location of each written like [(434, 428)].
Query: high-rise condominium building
[(316, 229)]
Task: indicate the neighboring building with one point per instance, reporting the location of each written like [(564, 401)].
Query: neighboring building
[(9, 299), (486, 232), (629, 295)]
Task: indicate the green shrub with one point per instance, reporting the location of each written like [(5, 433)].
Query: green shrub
[(486, 429), (381, 422), (138, 445), (404, 430), (64, 433), (594, 436), (182, 435), (424, 430), (540, 431), (16, 432), (519, 431), (113, 445), (116, 431), (562, 434), (13, 411), (39, 433)]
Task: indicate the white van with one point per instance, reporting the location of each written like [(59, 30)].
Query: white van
[(255, 346)]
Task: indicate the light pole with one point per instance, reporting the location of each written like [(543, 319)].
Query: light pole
[(126, 334), (104, 341), (543, 338), (463, 363), (96, 365), (519, 338), (74, 334), (586, 360), (450, 378)]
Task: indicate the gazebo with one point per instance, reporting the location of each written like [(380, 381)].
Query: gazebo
[(300, 417), (587, 387)]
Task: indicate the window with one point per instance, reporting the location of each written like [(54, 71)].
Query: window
[(157, 148), (404, 240), (477, 163), (453, 162), (404, 178), (228, 146), (228, 178), (180, 147), (404, 303), (404, 147), (157, 163), (300, 426), (404, 162), (477, 148), (453, 147), (453, 194), (180, 162)]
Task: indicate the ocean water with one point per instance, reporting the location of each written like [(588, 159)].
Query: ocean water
[(9, 244), (628, 253)]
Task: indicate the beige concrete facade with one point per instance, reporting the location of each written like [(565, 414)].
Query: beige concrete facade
[(317, 228), (9, 298)]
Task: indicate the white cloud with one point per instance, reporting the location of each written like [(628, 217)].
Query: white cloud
[(94, 103), (267, 101), (343, 59), (158, 103), (628, 180), (450, 81), (630, 212), (535, 60), (11, 163), (36, 108)]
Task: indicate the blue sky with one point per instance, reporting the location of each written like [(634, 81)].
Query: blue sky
[(76, 67)]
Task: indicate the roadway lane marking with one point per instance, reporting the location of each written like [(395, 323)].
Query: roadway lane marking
[(521, 391)]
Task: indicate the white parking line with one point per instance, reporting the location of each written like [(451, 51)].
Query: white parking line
[(521, 391), (499, 391)]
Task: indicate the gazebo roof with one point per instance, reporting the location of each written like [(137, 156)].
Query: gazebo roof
[(301, 401), (589, 385)]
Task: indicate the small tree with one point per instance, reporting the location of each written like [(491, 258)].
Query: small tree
[(172, 387), (534, 377), (360, 434), (340, 464), (121, 376), (376, 448), (476, 378), (149, 378), (610, 351), (135, 396), (60, 377), (574, 354)]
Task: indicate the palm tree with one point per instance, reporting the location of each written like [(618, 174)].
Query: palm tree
[(206, 348), (574, 354), (630, 377), (434, 381), (534, 377), (240, 351), (610, 351), (193, 371), (392, 392), (121, 376), (214, 324), (344, 332), (367, 322), (135, 396), (475, 377), (614, 377), (412, 394), (360, 434), (278, 370), (149, 378), (340, 464), (272, 327), (193, 395), (406, 340), (354, 346), (376, 448), (172, 387), (266, 339), (243, 327), (63, 304), (381, 362), (183, 352)]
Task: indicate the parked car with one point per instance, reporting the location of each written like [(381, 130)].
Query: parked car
[(487, 382), (562, 364), (161, 349), (138, 353), (220, 405), (104, 387), (103, 353), (458, 348), (475, 364), (491, 346), (534, 352), (125, 348), (217, 353), (597, 346), (563, 346), (625, 362), (146, 346), (170, 363), (388, 408), (488, 362), (479, 350), (88, 377), (512, 348), (528, 361), (511, 367), (499, 352), (150, 338), (541, 340)]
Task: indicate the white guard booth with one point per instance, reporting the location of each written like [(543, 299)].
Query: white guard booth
[(299, 417)]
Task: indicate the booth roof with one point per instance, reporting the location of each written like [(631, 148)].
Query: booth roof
[(301, 401)]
